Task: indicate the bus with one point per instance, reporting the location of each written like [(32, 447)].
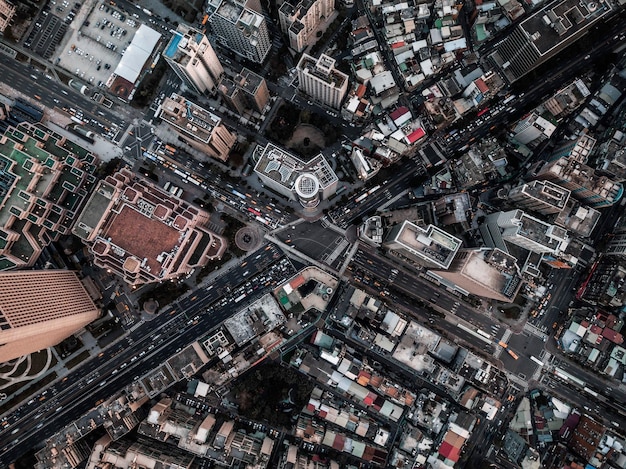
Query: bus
[(482, 111), (512, 353), (503, 344), (254, 211), (536, 360), (483, 333)]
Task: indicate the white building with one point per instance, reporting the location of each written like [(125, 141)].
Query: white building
[(241, 27), (533, 130), (319, 79), (300, 21), (430, 246), (193, 59), (309, 182), (516, 227)]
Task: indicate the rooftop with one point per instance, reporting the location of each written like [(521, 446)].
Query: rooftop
[(493, 269), (323, 68), (557, 23), (547, 192), (285, 168), (432, 244), (185, 44), (189, 118)]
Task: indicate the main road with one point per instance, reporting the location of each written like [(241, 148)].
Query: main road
[(145, 348)]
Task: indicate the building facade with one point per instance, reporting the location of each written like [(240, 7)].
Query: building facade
[(533, 129), (193, 59), (245, 91), (300, 21), (241, 27), (319, 79), (585, 186), (541, 197), (143, 233), (429, 247), (485, 272), (44, 180), (7, 10), (200, 128), (39, 309), (305, 181)]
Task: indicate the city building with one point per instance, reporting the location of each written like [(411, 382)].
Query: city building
[(577, 218), (39, 309), (484, 272), (144, 234), (430, 247), (544, 34), (583, 182), (533, 129), (44, 180), (579, 149), (193, 59), (200, 128), (541, 197), (319, 79), (7, 10), (306, 181), (616, 245), (300, 21), (241, 27), (525, 231), (246, 90)]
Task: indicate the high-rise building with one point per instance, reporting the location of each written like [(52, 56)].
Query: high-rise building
[(485, 272), (241, 27), (319, 79), (246, 90), (144, 234), (533, 129), (595, 191), (544, 34), (200, 128), (541, 197), (300, 20), (193, 59), (39, 309), (430, 247), (7, 10), (578, 149), (306, 181), (520, 229), (44, 180)]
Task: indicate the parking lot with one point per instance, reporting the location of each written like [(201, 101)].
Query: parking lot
[(94, 49), (50, 27)]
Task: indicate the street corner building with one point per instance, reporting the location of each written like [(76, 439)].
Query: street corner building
[(144, 234), (39, 309)]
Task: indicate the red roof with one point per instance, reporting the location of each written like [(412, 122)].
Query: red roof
[(415, 135), (369, 400), (449, 452), (595, 329), (402, 110), (480, 84), (395, 45), (360, 91), (612, 336)]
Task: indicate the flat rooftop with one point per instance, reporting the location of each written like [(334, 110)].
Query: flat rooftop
[(547, 192), (143, 237), (494, 270), (248, 80), (189, 118), (540, 232), (323, 68), (431, 244), (559, 22), (283, 167)]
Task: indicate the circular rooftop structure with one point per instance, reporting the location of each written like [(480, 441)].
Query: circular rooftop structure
[(307, 188)]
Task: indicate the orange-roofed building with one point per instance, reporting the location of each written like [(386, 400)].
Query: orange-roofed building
[(144, 234)]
